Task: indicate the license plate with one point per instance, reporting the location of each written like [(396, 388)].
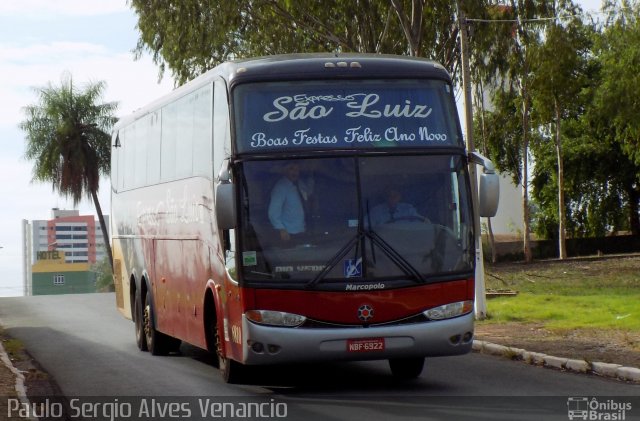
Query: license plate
[(365, 345)]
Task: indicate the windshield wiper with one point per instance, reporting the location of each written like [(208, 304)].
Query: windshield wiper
[(333, 261), (395, 257), (386, 248)]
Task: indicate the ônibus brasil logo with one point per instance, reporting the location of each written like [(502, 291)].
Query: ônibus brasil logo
[(583, 408)]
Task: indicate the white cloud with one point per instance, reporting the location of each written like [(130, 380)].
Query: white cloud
[(131, 83)]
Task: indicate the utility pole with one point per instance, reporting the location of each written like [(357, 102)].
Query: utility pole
[(480, 299)]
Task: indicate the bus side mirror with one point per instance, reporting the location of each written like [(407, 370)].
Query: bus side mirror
[(488, 186), (226, 205), (225, 200), (488, 194)]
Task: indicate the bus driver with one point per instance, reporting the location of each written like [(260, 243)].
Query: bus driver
[(393, 209)]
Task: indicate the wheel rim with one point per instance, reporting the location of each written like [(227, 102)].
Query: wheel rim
[(147, 323)]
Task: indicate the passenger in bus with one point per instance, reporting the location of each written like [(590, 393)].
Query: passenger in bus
[(392, 210), (289, 198)]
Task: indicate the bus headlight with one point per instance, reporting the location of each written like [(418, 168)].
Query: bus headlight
[(449, 311), (275, 318)]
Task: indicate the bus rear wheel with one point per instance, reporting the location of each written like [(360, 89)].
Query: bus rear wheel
[(157, 342), (406, 368), (138, 318)]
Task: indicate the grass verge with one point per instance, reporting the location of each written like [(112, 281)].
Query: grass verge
[(572, 294)]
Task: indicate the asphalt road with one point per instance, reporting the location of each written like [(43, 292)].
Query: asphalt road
[(89, 348)]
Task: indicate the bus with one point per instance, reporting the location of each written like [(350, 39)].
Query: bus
[(300, 208)]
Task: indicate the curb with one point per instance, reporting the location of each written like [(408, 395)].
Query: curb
[(616, 371), (21, 388)]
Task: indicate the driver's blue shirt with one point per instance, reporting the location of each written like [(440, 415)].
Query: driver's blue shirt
[(383, 214)]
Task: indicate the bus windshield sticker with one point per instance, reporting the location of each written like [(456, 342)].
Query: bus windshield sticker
[(316, 117), (353, 268), (249, 258)]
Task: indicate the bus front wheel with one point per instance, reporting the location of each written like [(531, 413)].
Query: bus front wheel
[(230, 370), (406, 368)]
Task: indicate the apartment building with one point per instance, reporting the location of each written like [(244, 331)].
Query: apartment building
[(77, 241), (79, 236)]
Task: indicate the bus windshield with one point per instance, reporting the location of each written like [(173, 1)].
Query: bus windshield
[(359, 219), (344, 115)]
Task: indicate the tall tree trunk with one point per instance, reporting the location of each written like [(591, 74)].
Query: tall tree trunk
[(562, 218), (528, 256), (480, 102), (103, 226), (521, 48)]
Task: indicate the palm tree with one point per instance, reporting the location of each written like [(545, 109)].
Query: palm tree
[(67, 135)]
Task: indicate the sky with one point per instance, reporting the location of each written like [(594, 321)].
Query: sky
[(40, 40)]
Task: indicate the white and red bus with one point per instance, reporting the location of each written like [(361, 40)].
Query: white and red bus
[(300, 208)]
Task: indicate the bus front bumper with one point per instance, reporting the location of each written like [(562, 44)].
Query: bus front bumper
[(275, 345)]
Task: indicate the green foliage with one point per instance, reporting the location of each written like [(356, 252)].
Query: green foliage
[(68, 138), (599, 178), (619, 58), (104, 276), (561, 66), (499, 133), (192, 36)]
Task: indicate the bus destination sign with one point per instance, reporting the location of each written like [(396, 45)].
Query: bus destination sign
[(321, 117)]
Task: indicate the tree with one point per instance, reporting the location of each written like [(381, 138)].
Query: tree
[(192, 36), (560, 75), (619, 57), (598, 178), (508, 71), (616, 97), (67, 135), (104, 276)]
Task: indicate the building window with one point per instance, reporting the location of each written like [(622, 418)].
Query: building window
[(58, 279)]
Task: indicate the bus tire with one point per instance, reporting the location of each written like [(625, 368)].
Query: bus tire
[(230, 370), (406, 368), (138, 318), (157, 342)]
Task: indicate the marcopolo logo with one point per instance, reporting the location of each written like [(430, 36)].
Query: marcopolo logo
[(364, 287), (583, 408)]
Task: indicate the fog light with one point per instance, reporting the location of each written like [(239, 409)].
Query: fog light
[(273, 349), (468, 337), (455, 339), (257, 347)]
